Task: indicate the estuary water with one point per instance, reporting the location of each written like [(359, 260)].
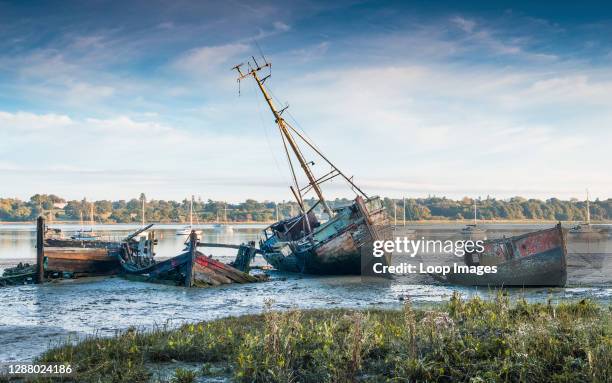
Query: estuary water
[(35, 317)]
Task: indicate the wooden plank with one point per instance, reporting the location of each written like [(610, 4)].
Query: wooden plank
[(212, 275), (225, 270), (79, 254)]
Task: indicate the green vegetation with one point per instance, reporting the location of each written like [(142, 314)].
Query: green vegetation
[(431, 208), (461, 341)]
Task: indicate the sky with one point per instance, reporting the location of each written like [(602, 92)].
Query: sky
[(106, 100)]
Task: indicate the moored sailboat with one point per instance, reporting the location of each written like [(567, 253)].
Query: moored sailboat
[(86, 234), (188, 229), (584, 227), (473, 229), (223, 226)]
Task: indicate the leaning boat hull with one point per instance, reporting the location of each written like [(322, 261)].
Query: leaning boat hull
[(337, 247), (309, 262), (190, 270)]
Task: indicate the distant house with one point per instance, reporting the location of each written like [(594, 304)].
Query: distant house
[(59, 205)]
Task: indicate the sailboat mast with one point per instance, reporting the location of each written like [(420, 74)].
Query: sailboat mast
[(143, 212), (283, 128), (474, 212), (394, 214), (588, 209), (191, 213), (91, 213)]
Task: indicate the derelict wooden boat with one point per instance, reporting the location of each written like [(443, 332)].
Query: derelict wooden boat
[(87, 258), (22, 274), (334, 247), (532, 259), (190, 269), (301, 243), (82, 258)]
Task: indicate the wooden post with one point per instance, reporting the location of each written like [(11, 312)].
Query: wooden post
[(193, 248), (40, 250)]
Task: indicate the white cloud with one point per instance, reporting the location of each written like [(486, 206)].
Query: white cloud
[(280, 26), (447, 107), (464, 24), (203, 60), (453, 128), (25, 121)]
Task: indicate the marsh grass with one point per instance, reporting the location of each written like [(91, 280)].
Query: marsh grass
[(464, 340)]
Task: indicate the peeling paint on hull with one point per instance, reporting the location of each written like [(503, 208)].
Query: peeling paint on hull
[(334, 248), (532, 259)]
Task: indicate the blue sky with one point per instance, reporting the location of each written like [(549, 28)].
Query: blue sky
[(110, 99)]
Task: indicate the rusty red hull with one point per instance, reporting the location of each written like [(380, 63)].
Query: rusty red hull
[(191, 270), (532, 259)]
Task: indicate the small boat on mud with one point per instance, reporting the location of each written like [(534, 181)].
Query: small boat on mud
[(533, 259), (302, 243), (190, 269)]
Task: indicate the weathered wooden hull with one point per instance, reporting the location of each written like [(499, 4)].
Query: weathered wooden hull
[(338, 256), (191, 270), (82, 258), (335, 248), (532, 259)]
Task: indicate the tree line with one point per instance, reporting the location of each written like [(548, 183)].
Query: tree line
[(55, 208)]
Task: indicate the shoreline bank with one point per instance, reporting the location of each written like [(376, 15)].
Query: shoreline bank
[(494, 339)]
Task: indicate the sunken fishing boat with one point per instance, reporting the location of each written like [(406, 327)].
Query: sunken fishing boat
[(532, 259), (74, 258), (58, 257), (305, 244), (192, 268)]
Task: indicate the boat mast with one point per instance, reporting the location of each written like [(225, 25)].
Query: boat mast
[(191, 213), (91, 214), (474, 212), (143, 212), (588, 209), (404, 217), (286, 133)]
